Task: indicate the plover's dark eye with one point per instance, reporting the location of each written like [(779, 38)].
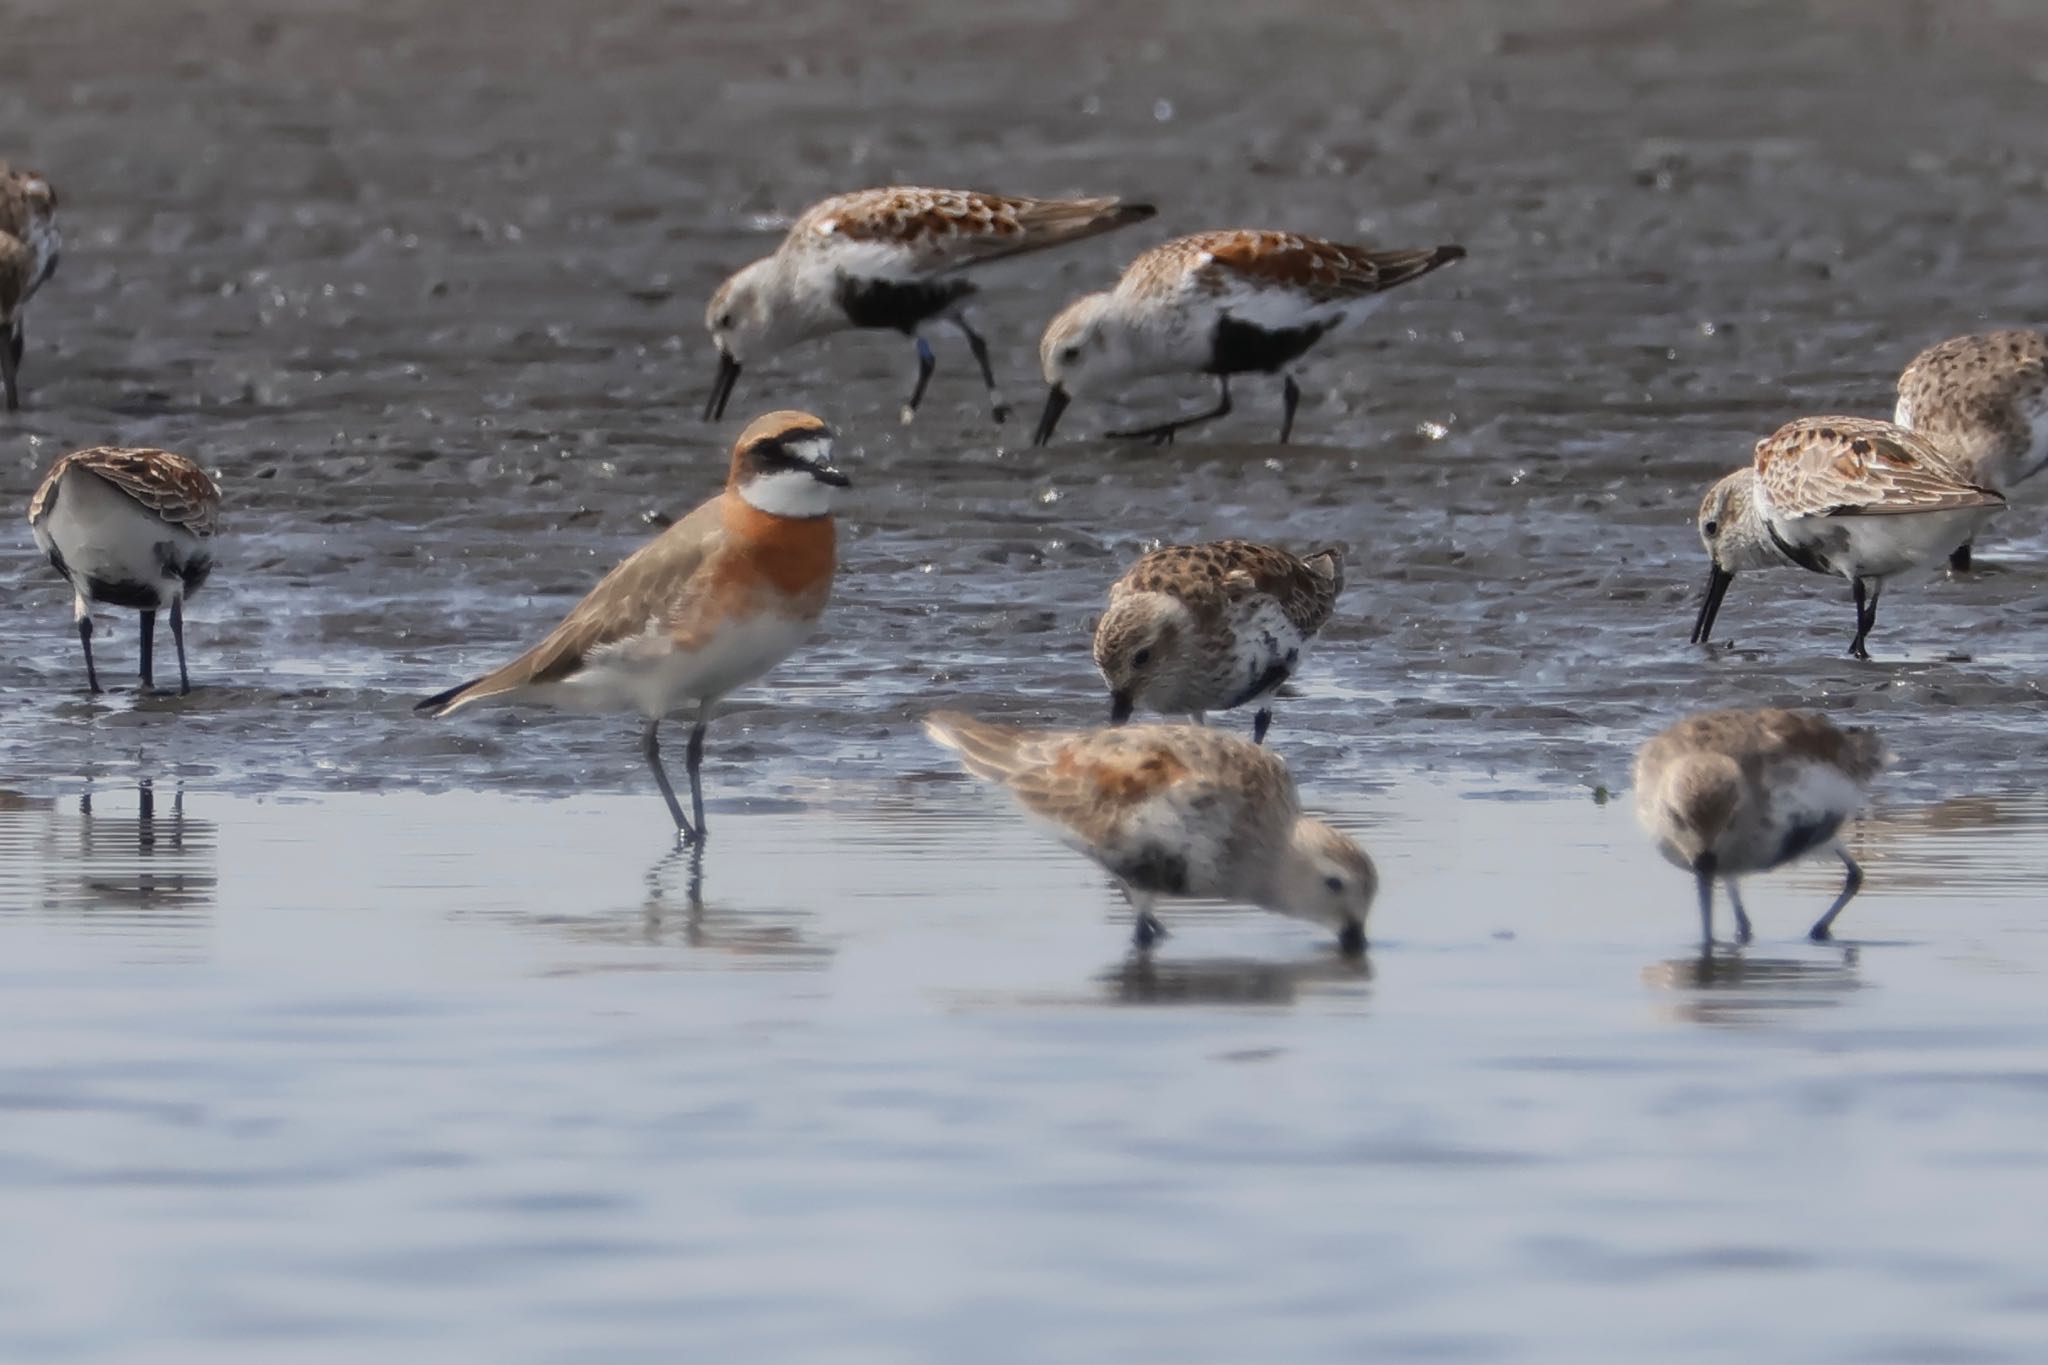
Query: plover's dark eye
[(1335, 884), (1069, 354), (1712, 528), (724, 322), (1142, 657)]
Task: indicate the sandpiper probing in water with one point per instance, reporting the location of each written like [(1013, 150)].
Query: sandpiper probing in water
[(1983, 401), (1728, 793), (1197, 628), (1217, 303), (709, 605), (1853, 496), (1176, 810), (890, 259), (29, 247), (130, 528)]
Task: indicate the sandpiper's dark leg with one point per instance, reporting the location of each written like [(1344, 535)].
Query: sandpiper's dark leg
[(1823, 928), (178, 634), (17, 341), (1703, 873), (1163, 433), (1260, 724), (1742, 934), (1290, 398), (1147, 930), (10, 367), (650, 745), (694, 762), (1866, 615), (1959, 558), (148, 650), (92, 678), (926, 363), (996, 406)]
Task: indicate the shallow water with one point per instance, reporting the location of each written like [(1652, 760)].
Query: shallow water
[(382, 1035)]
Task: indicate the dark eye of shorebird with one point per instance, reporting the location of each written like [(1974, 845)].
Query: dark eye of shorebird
[(1069, 354), (724, 322), (1712, 528), (1335, 884), (1142, 657)]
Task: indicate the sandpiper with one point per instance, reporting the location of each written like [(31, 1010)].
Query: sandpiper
[(1727, 793), (889, 259), (1838, 495), (1218, 303), (1174, 810), (1198, 628), (709, 605), (28, 257), (1984, 401), (130, 528)]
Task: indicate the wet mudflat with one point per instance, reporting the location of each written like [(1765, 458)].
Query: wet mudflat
[(384, 1035)]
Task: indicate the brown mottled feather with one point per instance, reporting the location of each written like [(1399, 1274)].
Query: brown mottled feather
[(1092, 782), (1322, 271), (1756, 738), (951, 229), (1976, 397), (166, 483), (1859, 466), (1209, 575)]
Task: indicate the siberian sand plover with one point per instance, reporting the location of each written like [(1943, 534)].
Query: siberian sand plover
[(709, 605)]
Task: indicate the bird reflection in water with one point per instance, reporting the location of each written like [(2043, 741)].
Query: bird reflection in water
[(1726, 986), (764, 934), (1146, 979)]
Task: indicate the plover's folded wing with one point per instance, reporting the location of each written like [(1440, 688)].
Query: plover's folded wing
[(1305, 595), (167, 484), (1859, 466), (903, 231), (1317, 271)]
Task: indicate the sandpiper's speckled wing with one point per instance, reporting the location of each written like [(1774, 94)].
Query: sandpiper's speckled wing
[(1098, 783), (166, 483), (1859, 466), (1758, 737), (1315, 271), (1979, 398), (903, 232), (1230, 570), (654, 585), (28, 211)]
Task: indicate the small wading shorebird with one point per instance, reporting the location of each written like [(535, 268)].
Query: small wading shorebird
[(1983, 401), (1172, 810), (1838, 495), (709, 605), (1727, 793), (889, 259), (28, 257), (1198, 628), (129, 528), (1217, 303)]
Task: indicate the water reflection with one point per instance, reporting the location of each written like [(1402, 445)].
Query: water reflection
[(1144, 979), (152, 858), (1724, 986), (674, 913)]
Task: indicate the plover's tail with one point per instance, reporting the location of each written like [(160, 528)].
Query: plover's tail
[(1042, 223), (441, 703), (988, 751)]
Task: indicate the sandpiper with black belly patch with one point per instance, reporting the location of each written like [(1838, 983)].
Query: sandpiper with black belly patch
[(1852, 496), (128, 528), (1727, 793), (1197, 628), (1176, 810), (708, 606), (1218, 303), (889, 259), (1983, 400), (29, 249)]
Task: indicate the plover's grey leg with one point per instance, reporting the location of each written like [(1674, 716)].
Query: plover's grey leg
[(650, 746), (996, 406), (1163, 433), (693, 763), (148, 650), (1290, 399), (178, 635), (1823, 929), (1742, 934), (926, 362)]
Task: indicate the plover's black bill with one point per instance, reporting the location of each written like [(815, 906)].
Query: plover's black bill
[(1056, 401), (1718, 580), (721, 387), (1120, 707)]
